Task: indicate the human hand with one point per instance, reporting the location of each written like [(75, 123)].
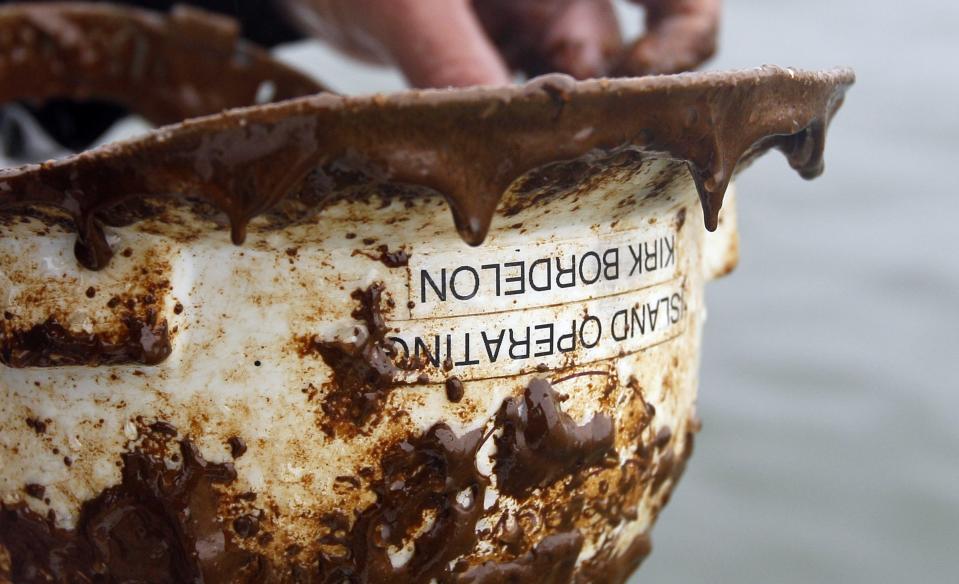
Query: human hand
[(439, 43), (680, 35)]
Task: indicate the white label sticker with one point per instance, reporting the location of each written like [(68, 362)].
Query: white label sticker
[(510, 343), (481, 281)]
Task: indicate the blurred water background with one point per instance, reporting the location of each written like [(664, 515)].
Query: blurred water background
[(830, 376), (829, 393)]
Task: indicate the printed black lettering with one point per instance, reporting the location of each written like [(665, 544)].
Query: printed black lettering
[(571, 337), (676, 308), (669, 257), (453, 279), (583, 273), (403, 345), (582, 333), (495, 268), (419, 347), (439, 291), (638, 319), (466, 353), (547, 340), (651, 258), (571, 271), (611, 264), (498, 341), (653, 314), (521, 278), (513, 343), (548, 279), (623, 317), (636, 253)]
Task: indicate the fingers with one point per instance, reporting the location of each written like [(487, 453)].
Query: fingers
[(439, 43), (582, 39), (680, 35), (436, 43), (577, 37)]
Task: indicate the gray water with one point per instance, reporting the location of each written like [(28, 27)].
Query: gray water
[(830, 448), (829, 393)]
